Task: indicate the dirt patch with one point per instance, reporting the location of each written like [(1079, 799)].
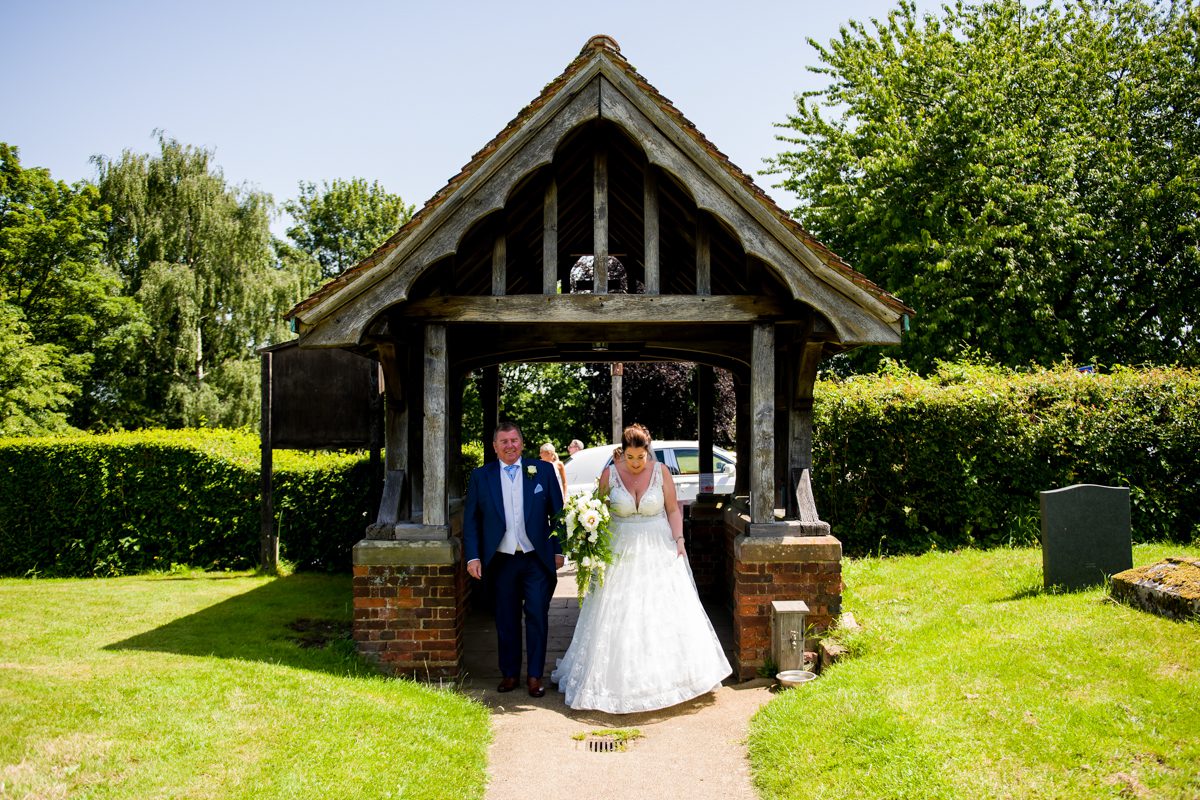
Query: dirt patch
[(315, 633)]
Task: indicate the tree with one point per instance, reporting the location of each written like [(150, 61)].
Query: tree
[(663, 397), (198, 256), (1026, 179), (52, 271), (342, 223), (34, 395)]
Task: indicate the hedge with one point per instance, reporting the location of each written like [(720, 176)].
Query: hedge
[(905, 464), (132, 502), (901, 464)]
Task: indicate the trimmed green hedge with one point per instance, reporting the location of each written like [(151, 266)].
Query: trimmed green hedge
[(901, 464), (905, 464), (130, 502)]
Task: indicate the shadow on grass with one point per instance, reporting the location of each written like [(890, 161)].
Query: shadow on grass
[(1034, 590), (300, 621)]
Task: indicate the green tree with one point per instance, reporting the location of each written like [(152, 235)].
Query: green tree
[(34, 395), (343, 222), (198, 255), (52, 240), (1026, 179)]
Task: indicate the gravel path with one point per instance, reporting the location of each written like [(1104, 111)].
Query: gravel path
[(692, 751), (695, 750)]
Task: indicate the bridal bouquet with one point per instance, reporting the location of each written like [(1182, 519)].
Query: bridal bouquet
[(586, 540)]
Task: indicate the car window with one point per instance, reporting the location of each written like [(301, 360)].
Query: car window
[(688, 459)]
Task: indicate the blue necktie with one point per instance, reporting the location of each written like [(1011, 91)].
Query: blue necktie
[(511, 471)]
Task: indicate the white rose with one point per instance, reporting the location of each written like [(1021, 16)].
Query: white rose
[(590, 520), (586, 562), (532, 470), (593, 536)]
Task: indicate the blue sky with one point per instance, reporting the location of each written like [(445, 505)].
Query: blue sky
[(399, 92)]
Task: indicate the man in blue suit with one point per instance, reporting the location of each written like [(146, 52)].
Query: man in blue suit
[(511, 505)]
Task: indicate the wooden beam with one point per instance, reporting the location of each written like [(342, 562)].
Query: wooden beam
[(500, 266), (394, 503), (550, 239), (577, 308), (618, 401), (650, 228), (704, 423), (268, 536), (489, 398), (741, 397), (703, 257), (435, 504), (600, 221), (762, 424), (801, 433)]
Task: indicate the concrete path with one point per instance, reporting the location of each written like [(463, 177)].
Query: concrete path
[(695, 750)]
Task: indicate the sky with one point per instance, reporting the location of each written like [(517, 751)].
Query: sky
[(400, 92)]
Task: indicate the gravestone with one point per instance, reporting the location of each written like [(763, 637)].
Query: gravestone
[(1085, 535)]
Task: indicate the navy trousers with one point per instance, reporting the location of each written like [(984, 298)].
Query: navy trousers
[(521, 583)]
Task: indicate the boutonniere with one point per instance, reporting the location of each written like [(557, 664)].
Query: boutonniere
[(530, 472)]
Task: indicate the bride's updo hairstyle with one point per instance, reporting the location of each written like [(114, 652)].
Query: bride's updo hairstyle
[(636, 435)]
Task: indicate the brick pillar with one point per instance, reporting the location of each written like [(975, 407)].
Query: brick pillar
[(775, 561), (409, 606)]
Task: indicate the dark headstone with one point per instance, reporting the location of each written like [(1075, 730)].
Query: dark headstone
[(1085, 535)]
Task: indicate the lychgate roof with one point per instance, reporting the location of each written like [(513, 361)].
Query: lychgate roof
[(600, 98)]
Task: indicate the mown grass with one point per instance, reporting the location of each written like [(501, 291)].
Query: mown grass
[(969, 681), (194, 686)]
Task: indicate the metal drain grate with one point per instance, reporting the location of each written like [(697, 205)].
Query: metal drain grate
[(604, 745), (608, 742)]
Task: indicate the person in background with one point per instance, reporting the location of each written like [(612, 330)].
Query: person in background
[(549, 455), (574, 447)]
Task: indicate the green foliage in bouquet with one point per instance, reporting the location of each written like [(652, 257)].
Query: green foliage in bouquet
[(584, 530)]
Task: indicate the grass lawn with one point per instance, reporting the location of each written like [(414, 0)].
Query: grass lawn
[(193, 686), (969, 681)]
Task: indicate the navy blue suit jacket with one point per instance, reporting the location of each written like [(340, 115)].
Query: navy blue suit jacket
[(483, 518)]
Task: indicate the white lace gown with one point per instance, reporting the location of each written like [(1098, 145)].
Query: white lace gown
[(643, 641)]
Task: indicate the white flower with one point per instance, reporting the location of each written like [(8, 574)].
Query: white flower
[(594, 503), (593, 536), (586, 562), (590, 520), (531, 470)]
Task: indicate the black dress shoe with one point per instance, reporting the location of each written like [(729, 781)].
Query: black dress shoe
[(535, 688), (507, 685)]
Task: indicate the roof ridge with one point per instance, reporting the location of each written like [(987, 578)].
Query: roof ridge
[(606, 46)]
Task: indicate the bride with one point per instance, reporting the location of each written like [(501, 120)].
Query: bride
[(643, 641)]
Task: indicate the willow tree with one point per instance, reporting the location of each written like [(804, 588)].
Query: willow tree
[(197, 253)]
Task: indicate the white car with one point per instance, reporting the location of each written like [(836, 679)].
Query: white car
[(681, 457)]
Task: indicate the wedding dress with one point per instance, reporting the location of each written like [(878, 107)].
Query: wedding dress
[(643, 641)]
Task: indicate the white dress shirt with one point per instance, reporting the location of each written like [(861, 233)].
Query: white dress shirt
[(512, 491)]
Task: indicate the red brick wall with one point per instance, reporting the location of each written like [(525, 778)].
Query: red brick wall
[(799, 568), (409, 619)]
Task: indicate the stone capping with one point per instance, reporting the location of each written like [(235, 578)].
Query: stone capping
[(1170, 588), (392, 553), (739, 521), (408, 531), (787, 549)]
